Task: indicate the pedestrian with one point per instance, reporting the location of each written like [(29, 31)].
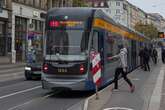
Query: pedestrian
[(146, 58), (163, 54), (141, 54), (154, 55), (122, 68)]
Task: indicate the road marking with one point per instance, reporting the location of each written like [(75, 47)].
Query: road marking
[(118, 108), (27, 90), (11, 70), (86, 105), (37, 99), (11, 74), (156, 95)]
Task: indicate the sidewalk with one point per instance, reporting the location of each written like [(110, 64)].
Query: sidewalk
[(149, 93)]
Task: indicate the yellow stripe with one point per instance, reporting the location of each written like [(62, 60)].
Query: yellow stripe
[(112, 28)]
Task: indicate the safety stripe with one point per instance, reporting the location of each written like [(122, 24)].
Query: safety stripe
[(96, 60), (97, 76)]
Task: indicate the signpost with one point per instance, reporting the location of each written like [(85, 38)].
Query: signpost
[(96, 70)]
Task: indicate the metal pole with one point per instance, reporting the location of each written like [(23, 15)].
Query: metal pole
[(97, 94)]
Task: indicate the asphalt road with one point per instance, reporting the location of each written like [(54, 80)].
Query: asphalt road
[(19, 94)]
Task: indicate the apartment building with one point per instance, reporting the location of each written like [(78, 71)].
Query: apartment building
[(27, 28), (137, 15), (126, 13), (119, 11)]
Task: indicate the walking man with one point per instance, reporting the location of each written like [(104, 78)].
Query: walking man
[(122, 69), (154, 55), (163, 54), (146, 58), (141, 54)]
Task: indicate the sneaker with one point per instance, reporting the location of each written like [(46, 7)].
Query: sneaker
[(132, 89)]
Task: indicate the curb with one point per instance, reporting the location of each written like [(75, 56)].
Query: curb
[(104, 95), (91, 103)]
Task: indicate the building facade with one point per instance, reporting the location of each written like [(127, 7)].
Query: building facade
[(163, 25), (156, 21), (5, 32), (119, 11), (59, 3), (27, 28), (125, 13), (136, 15)]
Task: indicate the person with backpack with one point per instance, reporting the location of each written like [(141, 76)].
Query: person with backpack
[(122, 68)]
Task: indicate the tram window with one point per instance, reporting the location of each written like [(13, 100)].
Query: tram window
[(94, 44), (110, 45)]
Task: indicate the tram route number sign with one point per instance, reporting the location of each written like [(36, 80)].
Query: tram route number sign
[(96, 67)]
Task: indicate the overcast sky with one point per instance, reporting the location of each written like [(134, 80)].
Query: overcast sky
[(151, 6)]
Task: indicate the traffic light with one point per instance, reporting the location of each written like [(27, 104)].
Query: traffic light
[(161, 35)]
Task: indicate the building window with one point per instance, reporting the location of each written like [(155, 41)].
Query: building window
[(3, 3), (37, 3), (43, 4), (117, 3), (30, 2), (20, 38), (124, 6), (117, 11)]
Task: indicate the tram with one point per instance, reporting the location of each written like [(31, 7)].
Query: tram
[(71, 34)]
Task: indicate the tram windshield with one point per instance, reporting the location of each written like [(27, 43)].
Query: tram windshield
[(68, 42)]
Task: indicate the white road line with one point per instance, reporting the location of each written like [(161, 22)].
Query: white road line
[(37, 99), (40, 98), (86, 104), (118, 108), (27, 90), (11, 70), (11, 74), (156, 95)]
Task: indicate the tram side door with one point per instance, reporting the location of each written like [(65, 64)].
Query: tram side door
[(134, 56)]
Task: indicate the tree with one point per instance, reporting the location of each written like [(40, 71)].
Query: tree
[(79, 3), (149, 30)]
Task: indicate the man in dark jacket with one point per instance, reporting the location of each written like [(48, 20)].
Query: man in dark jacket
[(141, 54), (154, 55), (163, 54), (146, 57)]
